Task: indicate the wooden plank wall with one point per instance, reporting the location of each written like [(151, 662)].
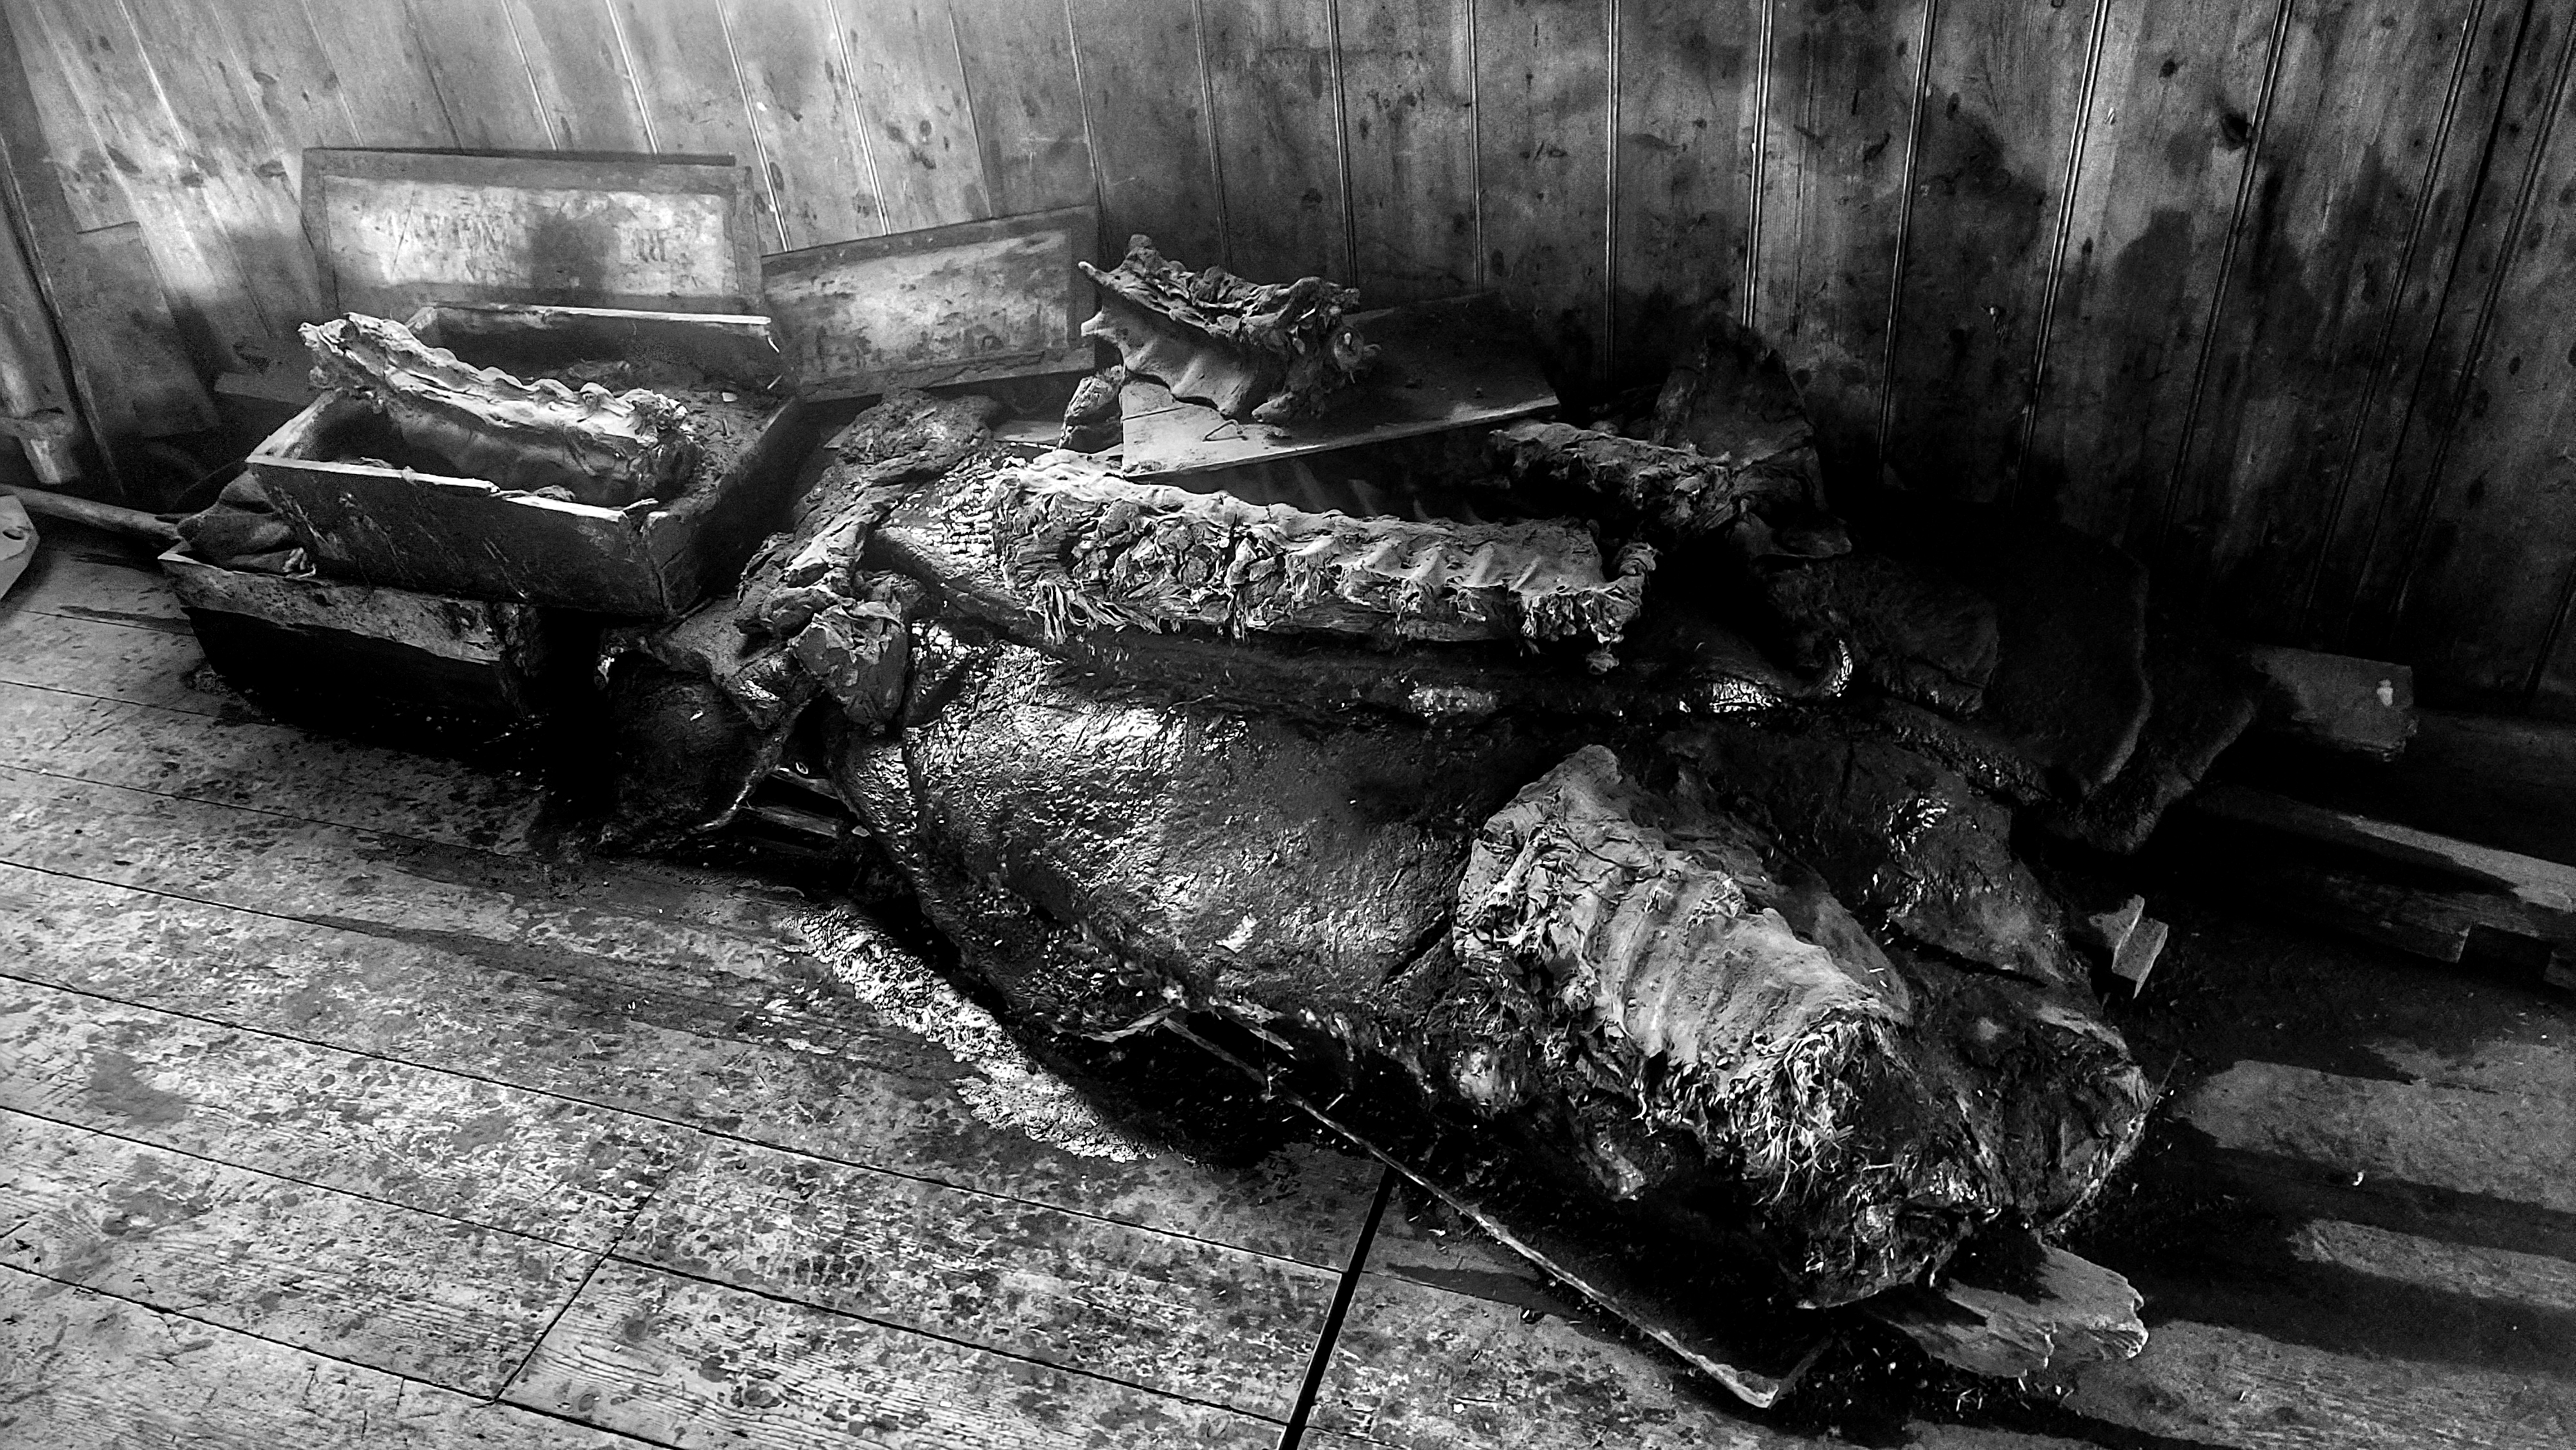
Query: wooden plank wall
[(2266, 290)]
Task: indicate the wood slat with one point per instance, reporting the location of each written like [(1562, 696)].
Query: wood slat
[(680, 61), (1408, 84), (2510, 1146), (2371, 563), (112, 87), (85, 1371), (576, 58), (1542, 99), (692, 1364), (2006, 92), (1027, 97), (1837, 143), (1168, 1313), (70, 142), (2211, 1384), (823, 175), (82, 576), (2486, 610), (910, 89), (430, 1298), (381, 74), (1418, 1367), (412, 1137), (1275, 92), (472, 48), (1690, 138), (142, 666), (2356, 197), (173, 752), (1145, 106), (651, 1033)]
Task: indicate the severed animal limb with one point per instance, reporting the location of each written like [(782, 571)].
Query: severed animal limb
[(1095, 551), (1268, 351), (601, 448)]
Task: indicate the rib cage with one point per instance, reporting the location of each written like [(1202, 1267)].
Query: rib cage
[(1095, 551)]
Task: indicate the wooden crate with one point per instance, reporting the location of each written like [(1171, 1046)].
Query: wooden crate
[(530, 266), (358, 659)]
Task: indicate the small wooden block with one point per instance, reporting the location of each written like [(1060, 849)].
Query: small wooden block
[(1459, 362), (2137, 952), (2366, 707)]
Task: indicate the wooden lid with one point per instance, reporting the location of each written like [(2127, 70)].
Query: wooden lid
[(964, 303), (392, 230)]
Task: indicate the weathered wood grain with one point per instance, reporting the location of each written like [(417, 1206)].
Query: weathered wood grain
[(651, 1033), (1992, 174), (84, 574), (576, 60), (2371, 562), (2507, 1145), (1020, 78), (1408, 87), (413, 1137), (1418, 1367), (1274, 87), (1542, 102), (1690, 144), (2356, 196), (144, 666), (680, 61), (2485, 608), (111, 86), (2212, 1384), (472, 48), (910, 94), (380, 73), (1144, 96), (1837, 149), (692, 1364), (1157, 1310), (240, 762), (240, 157), (141, 380), (85, 1371), (821, 173), (55, 127), (427, 1297)]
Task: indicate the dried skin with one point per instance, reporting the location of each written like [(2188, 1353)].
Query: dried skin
[(1268, 351), (1092, 550), (1674, 495), (599, 448)]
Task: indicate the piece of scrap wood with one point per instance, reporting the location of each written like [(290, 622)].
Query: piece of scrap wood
[(17, 540), (1455, 363), (2366, 707), (2137, 952), (2547, 886), (2016, 1307)]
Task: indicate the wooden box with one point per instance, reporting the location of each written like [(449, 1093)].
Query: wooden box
[(361, 660), (515, 278)]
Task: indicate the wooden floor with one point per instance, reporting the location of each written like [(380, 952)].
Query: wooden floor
[(332, 1113)]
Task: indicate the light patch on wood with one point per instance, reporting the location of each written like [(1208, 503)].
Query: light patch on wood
[(83, 1371), (453, 1303), (404, 242), (1010, 1089), (690, 1364)]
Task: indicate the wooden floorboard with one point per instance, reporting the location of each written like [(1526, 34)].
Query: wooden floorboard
[(77, 656), (428, 1297), (1170, 1313), (687, 1363), (391, 1132), (87, 1371)]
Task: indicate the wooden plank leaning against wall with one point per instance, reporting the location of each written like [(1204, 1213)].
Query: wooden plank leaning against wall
[(2260, 288)]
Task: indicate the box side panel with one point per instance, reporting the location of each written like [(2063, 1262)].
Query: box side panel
[(751, 503), (394, 230), (957, 304), (442, 536)]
